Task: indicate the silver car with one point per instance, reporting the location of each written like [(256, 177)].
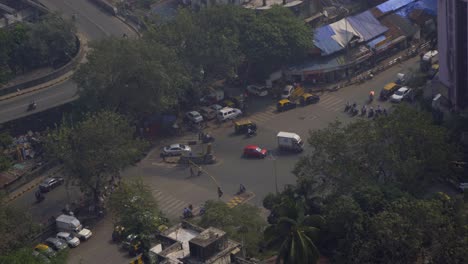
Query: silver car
[(69, 239), (175, 150), (56, 243), (50, 183)]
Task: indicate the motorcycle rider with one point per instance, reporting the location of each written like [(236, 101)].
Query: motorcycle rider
[(363, 109), (379, 109)]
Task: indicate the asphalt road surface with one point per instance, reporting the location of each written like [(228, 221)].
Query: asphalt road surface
[(174, 189), (90, 21)]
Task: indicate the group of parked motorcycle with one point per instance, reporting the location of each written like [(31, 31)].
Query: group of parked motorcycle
[(353, 110)]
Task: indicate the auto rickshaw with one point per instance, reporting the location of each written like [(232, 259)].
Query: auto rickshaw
[(388, 90), (307, 98), (284, 105), (242, 126)]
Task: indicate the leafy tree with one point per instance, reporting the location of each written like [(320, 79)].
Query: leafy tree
[(135, 208), (25, 255), (404, 149), (294, 237), (95, 150), (131, 76), (16, 226), (241, 223), (275, 38), (52, 39)]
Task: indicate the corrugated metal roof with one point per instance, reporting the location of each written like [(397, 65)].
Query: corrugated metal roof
[(324, 41), (393, 5), (428, 6), (367, 26)]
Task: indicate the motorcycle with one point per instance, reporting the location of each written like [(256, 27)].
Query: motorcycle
[(207, 138), (39, 196), (187, 214), (251, 132), (354, 111), (363, 111), (347, 107), (32, 106)]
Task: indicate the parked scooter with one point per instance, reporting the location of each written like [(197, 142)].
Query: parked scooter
[(363, 110)]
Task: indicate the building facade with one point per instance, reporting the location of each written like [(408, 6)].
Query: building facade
[(453, 49)]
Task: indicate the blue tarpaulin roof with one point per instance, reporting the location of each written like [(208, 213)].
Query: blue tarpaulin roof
[(393, 5), (429, 6), (367, 25), (324, 41)]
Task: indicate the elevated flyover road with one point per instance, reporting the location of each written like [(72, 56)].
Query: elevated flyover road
[(91, 21)]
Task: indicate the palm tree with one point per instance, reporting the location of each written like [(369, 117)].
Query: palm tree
[(294, 238)]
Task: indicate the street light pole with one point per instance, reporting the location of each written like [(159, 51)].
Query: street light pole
[(275, 172)]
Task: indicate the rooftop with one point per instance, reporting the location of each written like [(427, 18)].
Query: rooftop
[(183, 235), (258, 4), (208, 236)]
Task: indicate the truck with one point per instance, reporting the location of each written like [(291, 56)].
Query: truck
[(68, 223), (290, 142)]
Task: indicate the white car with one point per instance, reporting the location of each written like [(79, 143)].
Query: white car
[(194, 117), (69, 239), (400, 94), (175, 150), (257, 90), (287, 92)]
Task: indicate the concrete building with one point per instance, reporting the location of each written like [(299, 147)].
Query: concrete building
[(190, 244), (453, 49)]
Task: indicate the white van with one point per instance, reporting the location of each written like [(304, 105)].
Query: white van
[(228, 113)]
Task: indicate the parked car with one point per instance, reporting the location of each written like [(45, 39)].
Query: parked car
[(228, 113), (45, 250), (216, 107), (254, 151), (257, 90), (400, 95), (175, 150), (50, 183), (207, 113), (56, 243), (287, 92), (194, 117), (68, 238)]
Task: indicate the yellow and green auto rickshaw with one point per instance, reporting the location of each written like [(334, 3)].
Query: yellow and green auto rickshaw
[(388, 90), (242, 126)]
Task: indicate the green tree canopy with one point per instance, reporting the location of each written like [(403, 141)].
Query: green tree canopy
[(131, 76), (135, 208), (404, 149), (16, 226), (294, 238), (241, 223), (95, 150)]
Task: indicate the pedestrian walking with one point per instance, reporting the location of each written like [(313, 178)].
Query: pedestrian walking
[(200, 171), (191, 171), (220, 192)]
